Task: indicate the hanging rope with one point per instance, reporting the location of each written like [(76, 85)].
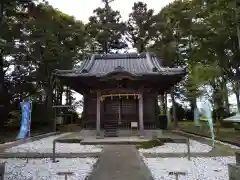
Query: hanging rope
[(103, 97)]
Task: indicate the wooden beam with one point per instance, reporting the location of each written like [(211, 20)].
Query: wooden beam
[(98, 128), (141, 124)]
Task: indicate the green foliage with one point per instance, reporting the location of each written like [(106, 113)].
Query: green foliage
[(35, 39), (141, 26), (106, 30)]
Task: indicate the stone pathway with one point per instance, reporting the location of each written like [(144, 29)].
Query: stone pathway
[(120, 162)]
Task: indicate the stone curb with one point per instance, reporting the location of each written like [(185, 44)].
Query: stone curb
[(95, 167), (144, 167), (111, 142), (34, 138), (207, 138), (184, 155), (48, 155)]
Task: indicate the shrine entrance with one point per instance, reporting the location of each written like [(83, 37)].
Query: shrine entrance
[(119, 111)]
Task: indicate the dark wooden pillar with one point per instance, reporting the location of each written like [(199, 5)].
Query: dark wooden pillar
[(141, 125), (98, 121)]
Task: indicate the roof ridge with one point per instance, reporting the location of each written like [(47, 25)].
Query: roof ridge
[(82, 66), (149, 60), (120, 56), (89, 64)]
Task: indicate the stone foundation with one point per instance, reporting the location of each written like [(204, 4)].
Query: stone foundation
[(233, 171)]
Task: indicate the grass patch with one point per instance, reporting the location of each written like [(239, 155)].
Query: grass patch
[(223, 134), (149, 144)]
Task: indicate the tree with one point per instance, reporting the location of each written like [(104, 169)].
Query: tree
[(106, 29), (141, 26), (13, 15), (54, 41)]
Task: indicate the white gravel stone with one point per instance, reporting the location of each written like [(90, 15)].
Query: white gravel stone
[(45, 145), (214, 168), (44, 169), (195, 146)]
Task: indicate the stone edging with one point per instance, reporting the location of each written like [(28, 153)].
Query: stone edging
[(94, 168), (147, 172), (34, 138), (178, 155), (48, 155), (207, 138)]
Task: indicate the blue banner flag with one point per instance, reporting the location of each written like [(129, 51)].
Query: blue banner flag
[(26, 109)]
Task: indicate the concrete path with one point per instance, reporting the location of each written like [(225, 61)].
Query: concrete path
[(120, 162)]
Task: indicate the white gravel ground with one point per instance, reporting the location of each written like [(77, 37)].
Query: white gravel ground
[(45, 145), (44, 169), (195, 146), (197, 168)]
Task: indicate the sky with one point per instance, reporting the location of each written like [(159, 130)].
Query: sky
[(83, 9)]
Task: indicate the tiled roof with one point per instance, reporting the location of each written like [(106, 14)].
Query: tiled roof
[(136, 64)]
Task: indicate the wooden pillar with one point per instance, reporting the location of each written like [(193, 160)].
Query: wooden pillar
[(141, 125), (98, 114)]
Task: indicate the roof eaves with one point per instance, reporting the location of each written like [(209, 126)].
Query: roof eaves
[(157, 64)]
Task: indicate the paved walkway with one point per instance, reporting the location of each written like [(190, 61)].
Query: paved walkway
[(120, 162)]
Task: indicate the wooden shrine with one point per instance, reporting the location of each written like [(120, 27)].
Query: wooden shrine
[(120, 88)]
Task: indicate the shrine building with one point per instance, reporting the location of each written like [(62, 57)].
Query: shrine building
[(120, 90)]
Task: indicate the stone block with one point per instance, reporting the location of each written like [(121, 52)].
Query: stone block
[(238, 158), (65, 174), (233, 171), (2, 171)]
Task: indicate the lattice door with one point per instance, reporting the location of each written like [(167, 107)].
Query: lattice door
[(111, 109), (129, 110)]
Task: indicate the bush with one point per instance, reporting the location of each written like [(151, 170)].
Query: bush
[(149, 144)]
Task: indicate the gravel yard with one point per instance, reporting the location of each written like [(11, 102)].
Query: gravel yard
[(195, 146), (44, 169), (214, 168), (45, 145)]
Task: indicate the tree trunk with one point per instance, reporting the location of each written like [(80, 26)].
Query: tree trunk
[(196, 112), (225, 95), (165, 102), (161, 100), (236, 90), (3, 109), (49, 104), (238, 100), (174, 110)]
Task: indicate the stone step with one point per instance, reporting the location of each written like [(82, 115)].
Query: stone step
[(110, 135), (111, 124), (111, 128)]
